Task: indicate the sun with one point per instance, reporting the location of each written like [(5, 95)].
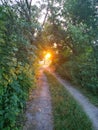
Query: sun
[(48, 56)]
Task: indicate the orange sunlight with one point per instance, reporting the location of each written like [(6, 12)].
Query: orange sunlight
[(48, 56), (47, 59)]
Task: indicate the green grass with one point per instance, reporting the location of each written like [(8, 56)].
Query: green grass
[(68, 115), (92, 97)]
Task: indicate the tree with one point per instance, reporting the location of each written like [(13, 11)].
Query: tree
[(75, 29)]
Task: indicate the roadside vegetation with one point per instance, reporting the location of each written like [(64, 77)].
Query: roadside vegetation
[(93, 98), (67, 113), (69, 30), (17, 66), (73, 28)]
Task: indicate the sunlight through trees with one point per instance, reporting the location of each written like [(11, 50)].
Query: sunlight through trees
[(72, 26)]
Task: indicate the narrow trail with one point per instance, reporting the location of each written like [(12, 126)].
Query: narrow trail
[(89, 108), (39, 110)]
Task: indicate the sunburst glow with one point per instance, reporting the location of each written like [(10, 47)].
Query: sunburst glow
[(48, 56)]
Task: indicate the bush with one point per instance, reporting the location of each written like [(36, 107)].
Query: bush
[(13, 96)]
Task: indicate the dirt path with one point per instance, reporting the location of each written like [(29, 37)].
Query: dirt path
[(90, 109), (39, 110)]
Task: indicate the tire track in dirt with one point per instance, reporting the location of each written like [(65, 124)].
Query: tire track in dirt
[(90, 109), (39, 110)]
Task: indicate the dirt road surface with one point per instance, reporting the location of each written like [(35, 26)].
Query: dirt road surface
[(89, 108), (39, 110)]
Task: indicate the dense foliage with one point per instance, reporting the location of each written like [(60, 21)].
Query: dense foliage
[(73, 26), (82, 36), (16, 60)]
